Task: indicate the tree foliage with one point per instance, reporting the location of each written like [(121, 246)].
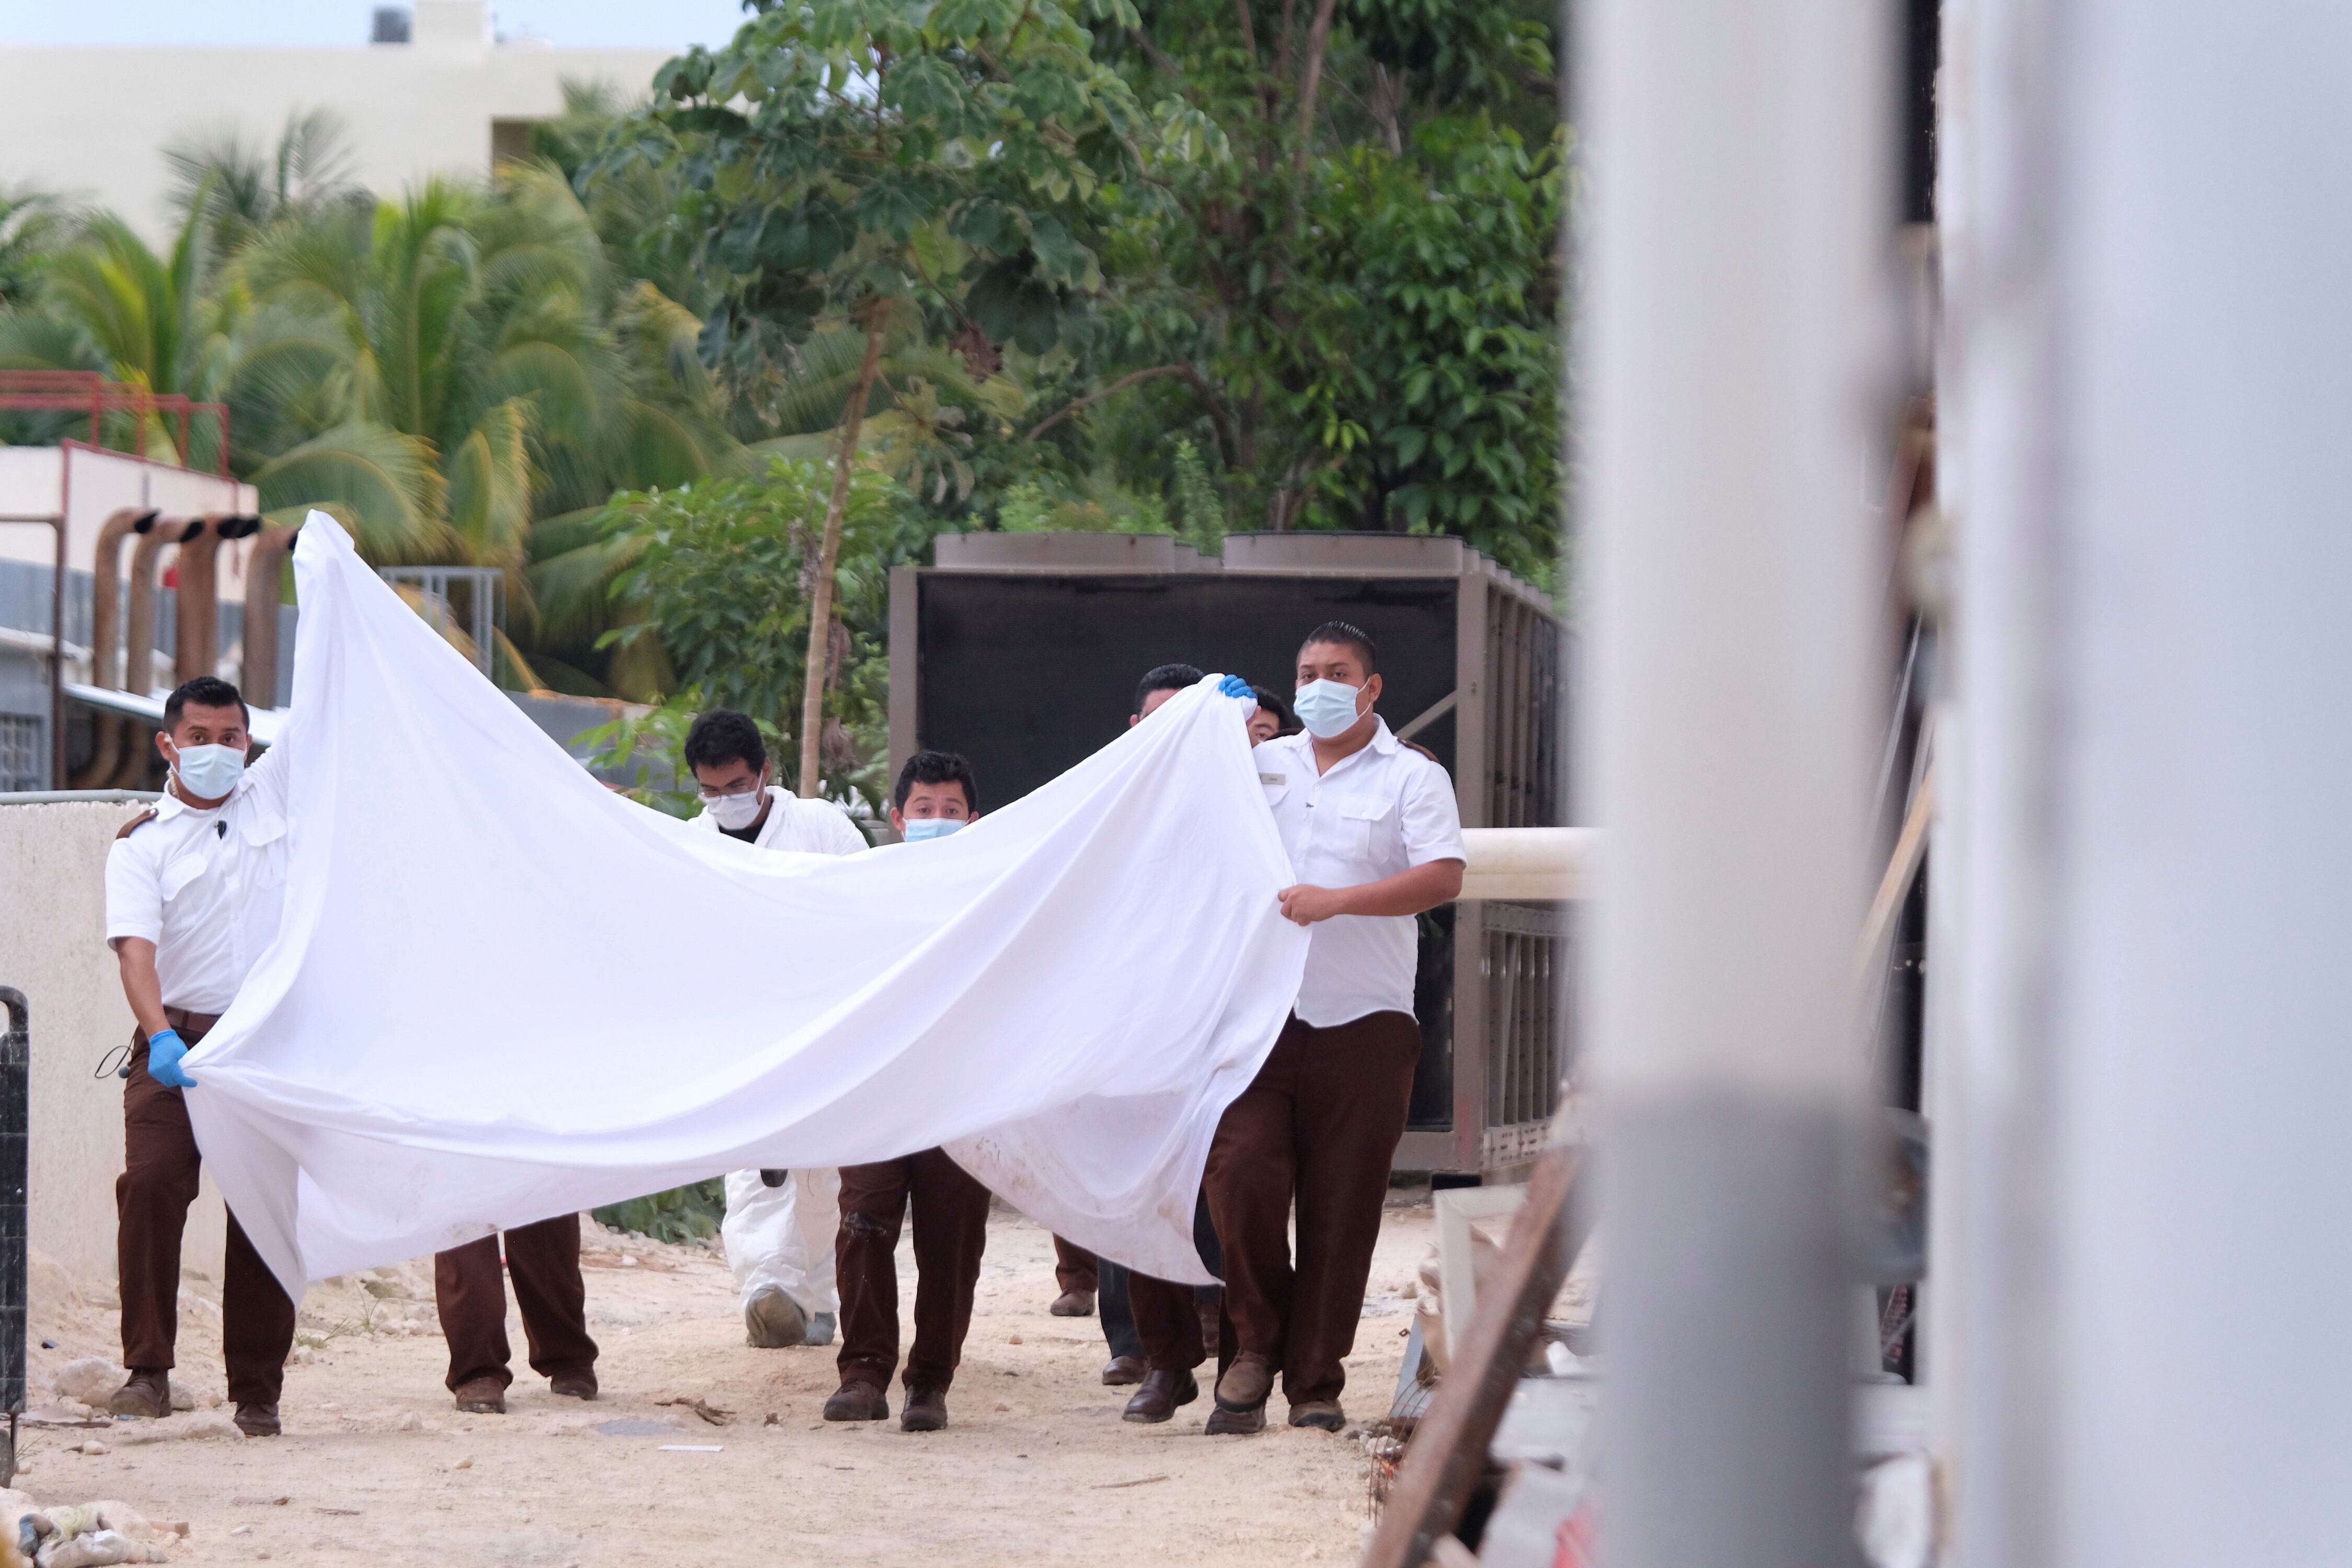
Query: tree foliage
[(722, 572)]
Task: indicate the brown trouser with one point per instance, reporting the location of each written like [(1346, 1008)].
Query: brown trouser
[(1073, 1268), (1319, 1123), (951, 1231), (545, 1258), (150, 1206)]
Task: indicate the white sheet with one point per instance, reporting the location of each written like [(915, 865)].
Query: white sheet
[(501, 992)]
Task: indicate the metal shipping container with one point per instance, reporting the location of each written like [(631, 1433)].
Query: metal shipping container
[(1023, 651)]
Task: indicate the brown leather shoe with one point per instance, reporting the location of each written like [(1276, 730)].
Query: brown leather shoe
[(1224, 1422), (574, 1384), (1074, 1304), (482, 1396), (1124, 1370), (1161, 1393), (258, 1420), (1323, 1414), (146, 1394), (926, 1411), (858, 1400), (1246, 1382)]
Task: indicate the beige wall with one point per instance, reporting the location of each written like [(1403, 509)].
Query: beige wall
[(53, 949), (92, 123)]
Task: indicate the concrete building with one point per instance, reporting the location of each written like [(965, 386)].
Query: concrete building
[(436, 94)]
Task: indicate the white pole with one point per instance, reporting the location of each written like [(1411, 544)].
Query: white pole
[(2145, 1067), (1740, 210)]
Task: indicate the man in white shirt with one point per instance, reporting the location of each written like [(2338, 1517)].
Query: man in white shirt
[(780, 1224), (1375, 838), (193, 890)]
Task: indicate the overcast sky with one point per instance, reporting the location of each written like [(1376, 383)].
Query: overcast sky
[(610, 24)]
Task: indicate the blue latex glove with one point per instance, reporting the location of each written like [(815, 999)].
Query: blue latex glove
[(1234, 686), (164, 1049)]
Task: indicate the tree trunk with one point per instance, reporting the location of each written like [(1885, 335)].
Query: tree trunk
[(820, 647)]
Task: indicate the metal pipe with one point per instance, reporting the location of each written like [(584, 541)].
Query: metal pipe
[(139, 628), (1740, 209), (264, 589), (197, 639), (105, 618)]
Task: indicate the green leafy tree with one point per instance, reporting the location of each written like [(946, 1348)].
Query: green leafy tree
[(723, 574), (883, 166), (1256, 301)]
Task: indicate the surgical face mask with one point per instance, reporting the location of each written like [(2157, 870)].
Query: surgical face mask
[(735, 812), (208, 772), (1328, 707), (923, 828)]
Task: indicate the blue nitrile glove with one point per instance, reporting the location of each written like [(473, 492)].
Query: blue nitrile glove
[(164, 1049), (1234, 686)]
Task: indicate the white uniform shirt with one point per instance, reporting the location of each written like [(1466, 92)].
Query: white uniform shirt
[(810, 827), (1382, 811), (206, 887)]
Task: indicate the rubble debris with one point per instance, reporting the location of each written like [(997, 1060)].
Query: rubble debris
[(92, 1379), (78, 1535), (702, 1408)]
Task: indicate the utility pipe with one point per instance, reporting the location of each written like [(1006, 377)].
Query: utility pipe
[(139, 628), (196, 640), (264, 569), (105, 618)]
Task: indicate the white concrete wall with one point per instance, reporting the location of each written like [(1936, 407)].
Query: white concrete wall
[(92, 123), (33, 482), (53, 949)]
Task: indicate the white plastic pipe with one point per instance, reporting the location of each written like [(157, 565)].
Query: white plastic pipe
[(1541, 863)]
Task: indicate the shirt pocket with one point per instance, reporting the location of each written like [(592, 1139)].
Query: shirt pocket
[(265, 841), (183, 869), (1367, 828), (1276, 783)]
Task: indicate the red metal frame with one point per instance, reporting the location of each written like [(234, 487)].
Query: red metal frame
[(80, 389)]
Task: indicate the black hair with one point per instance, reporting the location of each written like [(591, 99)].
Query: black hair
[(723, 736), (1349, 637), (203, 692), (935, 768), (1164, 678), (1286, 721)]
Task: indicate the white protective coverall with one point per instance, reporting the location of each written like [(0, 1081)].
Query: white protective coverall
[(784, 1236)]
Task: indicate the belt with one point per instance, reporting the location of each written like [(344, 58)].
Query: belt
[(181, 1019)]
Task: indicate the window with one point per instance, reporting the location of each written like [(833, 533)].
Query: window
[(23, 753)]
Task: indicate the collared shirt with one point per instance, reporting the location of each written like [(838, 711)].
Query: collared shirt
[(809, 826), (206, 887), (1382, 811)]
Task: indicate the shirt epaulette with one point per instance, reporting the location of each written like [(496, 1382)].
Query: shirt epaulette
[(1424, 750), (136, 822)]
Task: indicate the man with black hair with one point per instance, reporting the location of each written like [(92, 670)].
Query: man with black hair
[(780, 1224), (935, 797), (1373, 832), (194, 887)]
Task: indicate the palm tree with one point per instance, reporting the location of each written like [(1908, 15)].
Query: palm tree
[(479, 341)]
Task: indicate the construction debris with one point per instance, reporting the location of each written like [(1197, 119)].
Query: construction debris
[(79, 1535)]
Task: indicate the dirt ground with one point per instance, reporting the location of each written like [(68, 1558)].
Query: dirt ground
[(377, 1466)]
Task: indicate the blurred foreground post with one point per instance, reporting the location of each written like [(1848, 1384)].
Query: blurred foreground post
[(2140, 1057), (1737, 219)]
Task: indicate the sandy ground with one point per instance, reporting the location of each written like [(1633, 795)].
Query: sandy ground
[(1036, 1468)]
